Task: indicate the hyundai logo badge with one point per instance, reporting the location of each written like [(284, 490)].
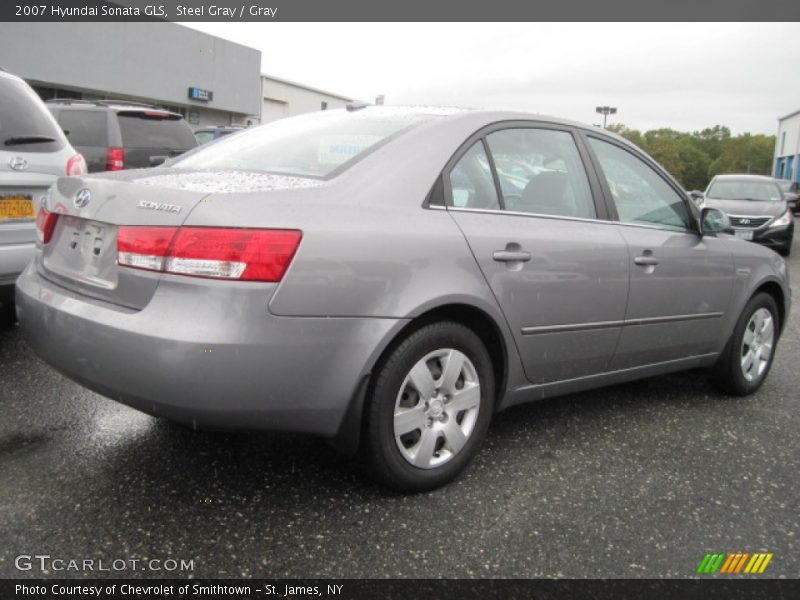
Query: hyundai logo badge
[(82, 198), (18, 163)]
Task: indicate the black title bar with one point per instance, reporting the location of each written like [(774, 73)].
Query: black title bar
[(407, 10)]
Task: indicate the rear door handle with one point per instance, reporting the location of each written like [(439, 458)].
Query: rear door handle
[(511, 256), (648, 260)]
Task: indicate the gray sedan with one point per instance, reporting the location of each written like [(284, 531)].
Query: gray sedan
[(390, 278)]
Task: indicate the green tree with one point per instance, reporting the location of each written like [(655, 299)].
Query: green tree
[(711, 140), (745, 154), (664, 149), (632, 135), (695, 164)]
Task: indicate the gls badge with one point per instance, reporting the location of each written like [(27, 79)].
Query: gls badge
[(148, 205)]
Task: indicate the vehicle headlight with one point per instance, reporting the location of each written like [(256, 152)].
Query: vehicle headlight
[(784, 219)]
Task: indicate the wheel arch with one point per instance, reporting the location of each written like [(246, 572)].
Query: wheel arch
[(484, 325), (774, 289)]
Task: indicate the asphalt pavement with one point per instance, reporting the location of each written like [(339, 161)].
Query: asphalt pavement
[(636, 480)]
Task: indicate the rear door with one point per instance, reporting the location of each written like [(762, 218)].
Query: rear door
[(149, 136), (680, 281), (523, 199)]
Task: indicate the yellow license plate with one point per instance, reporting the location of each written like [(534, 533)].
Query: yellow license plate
[(16, 207)]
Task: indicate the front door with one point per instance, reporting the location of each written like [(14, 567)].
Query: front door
[(680, 281)]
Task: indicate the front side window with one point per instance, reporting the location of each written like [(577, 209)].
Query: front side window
[(640, 194), (540, 171), (471, 181)]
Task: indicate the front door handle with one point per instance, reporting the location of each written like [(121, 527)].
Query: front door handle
[(511, 256), (647, 260)]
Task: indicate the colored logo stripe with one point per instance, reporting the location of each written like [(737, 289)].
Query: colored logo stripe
[(734, 563)]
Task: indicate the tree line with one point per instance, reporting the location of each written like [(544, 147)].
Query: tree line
[(694, 158)]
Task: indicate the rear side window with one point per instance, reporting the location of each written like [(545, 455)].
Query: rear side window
[(25, 123), (142, 131), (471, 181), (85, 127), (541, 172)]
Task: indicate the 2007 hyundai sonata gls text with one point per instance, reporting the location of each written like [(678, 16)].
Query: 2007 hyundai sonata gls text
[(390, 278)]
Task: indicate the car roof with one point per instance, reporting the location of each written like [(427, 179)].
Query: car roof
[(8, 75), (489, 115), (220, 127), (115, 105)]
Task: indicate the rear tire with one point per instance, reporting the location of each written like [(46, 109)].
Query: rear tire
[(428, 408), (748, 356)]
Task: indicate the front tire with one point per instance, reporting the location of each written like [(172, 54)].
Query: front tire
[(429, 407), (747, 358)]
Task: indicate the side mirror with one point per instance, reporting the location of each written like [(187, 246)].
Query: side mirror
[(713, 221), (697, 197), (157, 160)]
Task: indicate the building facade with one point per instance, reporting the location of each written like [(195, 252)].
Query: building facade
[(787, 148), (210, 81), (282, 98)]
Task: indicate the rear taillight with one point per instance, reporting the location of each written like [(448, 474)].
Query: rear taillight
[(76, 166), (240, 254), (45, 224), (115, 159)]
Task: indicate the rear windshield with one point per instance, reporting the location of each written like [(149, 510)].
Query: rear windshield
[(140, 130), (314, 145), (25, 124), (85, 127), (760, 191)]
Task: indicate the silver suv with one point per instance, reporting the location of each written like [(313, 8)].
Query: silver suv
[(33, 153)]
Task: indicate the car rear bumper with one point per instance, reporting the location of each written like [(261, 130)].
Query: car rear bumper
[(206, 354)]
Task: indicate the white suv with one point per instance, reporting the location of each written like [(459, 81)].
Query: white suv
[(33, 152)]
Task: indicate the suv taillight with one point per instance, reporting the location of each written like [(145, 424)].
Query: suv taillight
[(239, 254), (76, 166), (45, 224), (115, 159)]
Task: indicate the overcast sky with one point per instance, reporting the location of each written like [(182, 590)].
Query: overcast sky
[(681, 75)]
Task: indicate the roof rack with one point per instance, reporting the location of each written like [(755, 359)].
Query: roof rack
[(102, 103)]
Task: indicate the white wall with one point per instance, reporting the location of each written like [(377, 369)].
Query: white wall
[(791, 127), (285, 99)]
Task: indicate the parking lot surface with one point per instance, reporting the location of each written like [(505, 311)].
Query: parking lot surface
[(637, 480)]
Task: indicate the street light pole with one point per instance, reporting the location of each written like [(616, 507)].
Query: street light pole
[(605, 111)]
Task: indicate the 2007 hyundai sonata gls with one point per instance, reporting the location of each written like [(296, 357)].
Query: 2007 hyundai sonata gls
[(390, 278)]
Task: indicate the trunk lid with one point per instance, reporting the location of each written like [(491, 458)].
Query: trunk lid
[(82, 253)]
